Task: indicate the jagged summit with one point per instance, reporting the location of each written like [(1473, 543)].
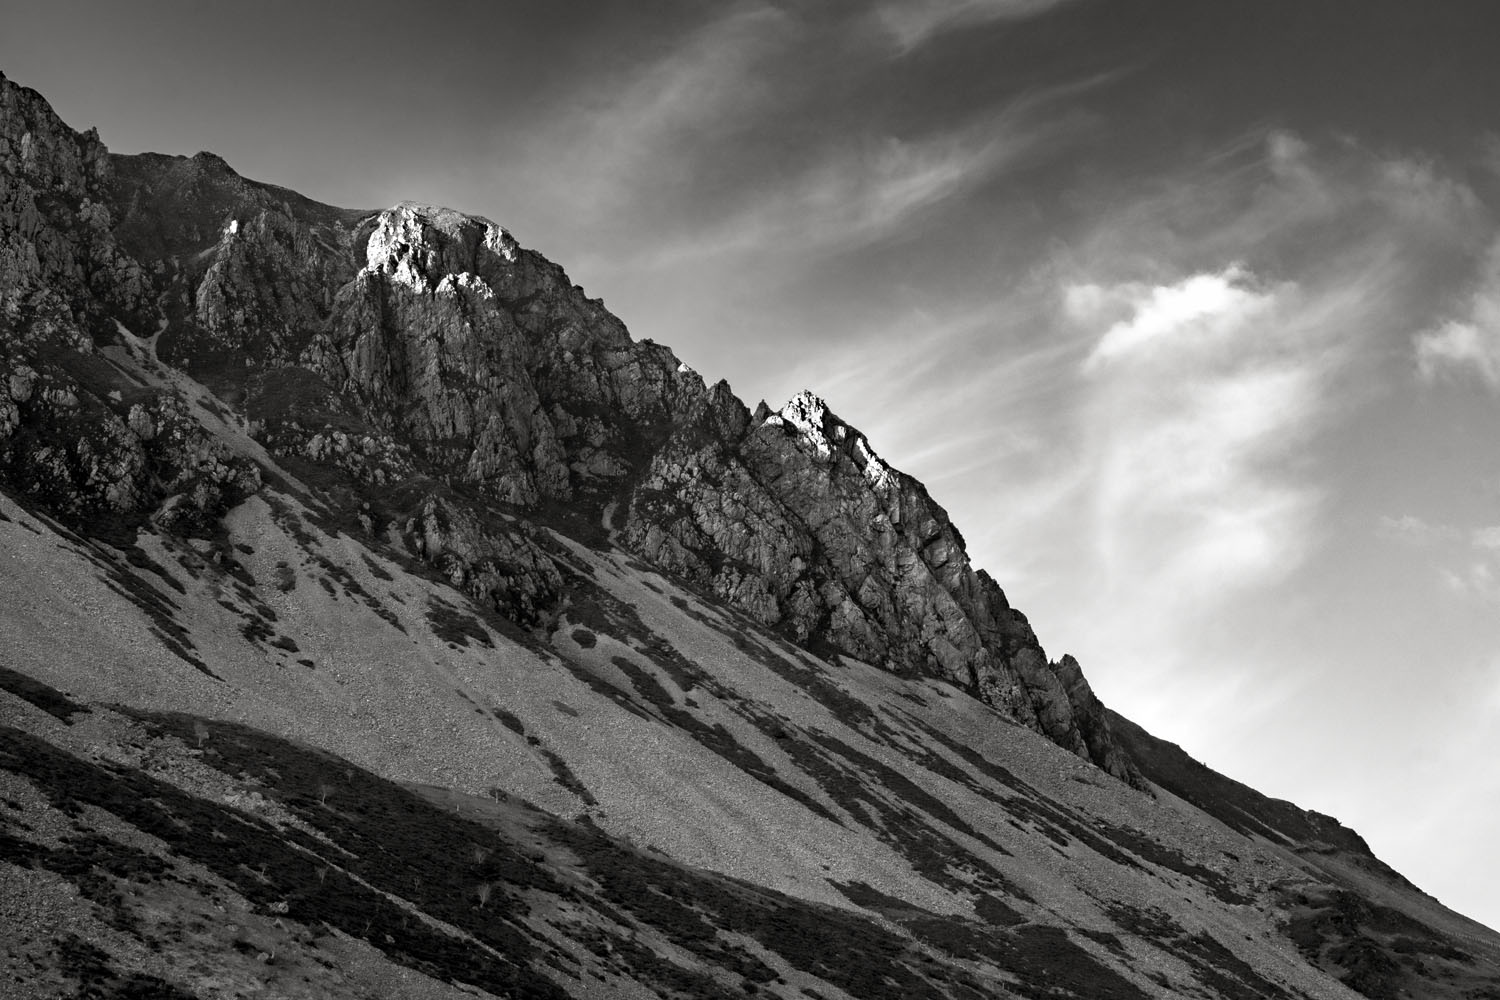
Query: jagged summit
[(213, 162), (449, 221), (807, 412), (432, 249)]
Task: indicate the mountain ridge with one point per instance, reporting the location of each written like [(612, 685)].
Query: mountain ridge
[(277, 476), (437, 341)]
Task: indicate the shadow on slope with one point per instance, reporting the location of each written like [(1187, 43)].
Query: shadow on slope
[(495, 894)]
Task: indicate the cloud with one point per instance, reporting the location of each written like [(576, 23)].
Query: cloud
[(1205, 307), (621, 132), (1456, 347), (859, 189), (1216, 364), (1414, 530), (1167, 461), (708, 77), (1466, 560), (1478, 581), (1278, 203), (719, 148), (1478, 578), (857, 193), (1193, 397), (1234, 312), (1467, 345), (912, 23)]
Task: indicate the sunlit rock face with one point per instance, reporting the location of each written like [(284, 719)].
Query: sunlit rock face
[(497, 369), (417, 352), (799, 522)]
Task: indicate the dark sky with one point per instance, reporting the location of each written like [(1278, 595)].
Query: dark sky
[(1188, 311)]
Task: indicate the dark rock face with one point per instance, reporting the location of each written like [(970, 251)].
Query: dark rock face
[(74, 434), (419, 356), (242, 273)]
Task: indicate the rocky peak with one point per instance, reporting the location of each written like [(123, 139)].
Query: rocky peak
[(426, 247), (212, 163), (62, 277), (37, 145), (808, 415)]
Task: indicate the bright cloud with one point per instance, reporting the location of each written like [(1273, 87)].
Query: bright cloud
[(1205, 307), (1204, 391), (1457, 347), (1193, 396), (1468, 344), (1210, 330)]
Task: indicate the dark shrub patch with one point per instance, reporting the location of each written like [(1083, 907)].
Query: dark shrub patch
[(508, 720), (453, 625), (565, 777), (390, 838), (99, 980), (992, 911), (48, 699)]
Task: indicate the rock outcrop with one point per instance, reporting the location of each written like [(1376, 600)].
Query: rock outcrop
[(793, 517), (457, 387), (76, 434)]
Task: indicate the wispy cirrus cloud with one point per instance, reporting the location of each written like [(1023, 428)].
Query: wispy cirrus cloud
[(698, 147), (860, 192), (853, 192), (911, 23), (1274, 200), (640, 127)]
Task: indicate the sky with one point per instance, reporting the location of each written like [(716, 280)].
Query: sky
[(1188, 313)]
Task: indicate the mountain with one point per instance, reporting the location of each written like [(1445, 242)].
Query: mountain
[(381, 618)]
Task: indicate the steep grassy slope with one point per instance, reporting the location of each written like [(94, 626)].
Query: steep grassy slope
[(1368, 924), (655, 793)]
